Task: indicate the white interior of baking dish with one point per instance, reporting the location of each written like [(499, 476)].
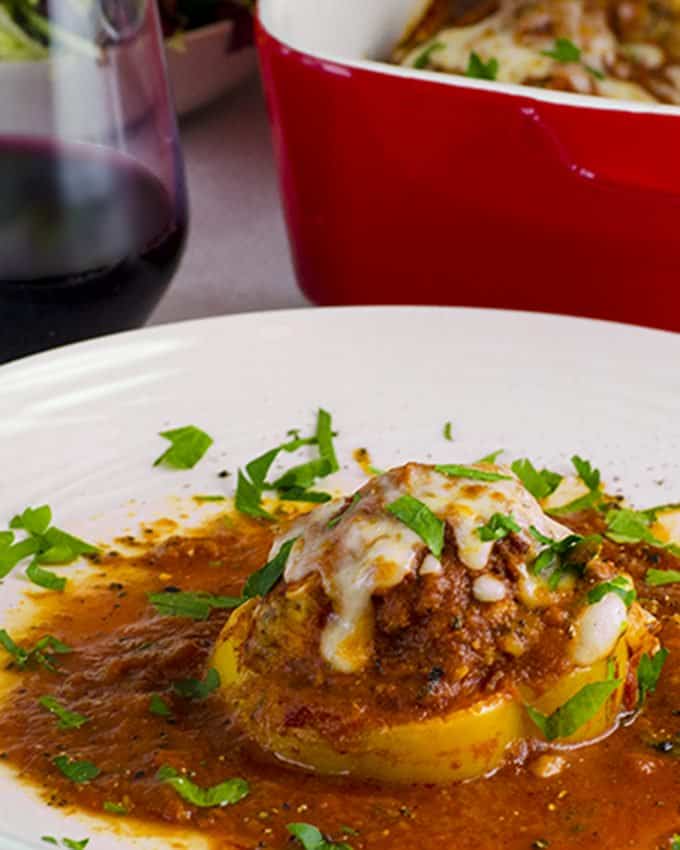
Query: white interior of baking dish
[(361, 33)]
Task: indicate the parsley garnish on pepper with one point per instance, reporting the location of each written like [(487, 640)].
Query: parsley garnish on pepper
[(539, 483), (576, 711), (649, 672), (498, 527), (419, 518)]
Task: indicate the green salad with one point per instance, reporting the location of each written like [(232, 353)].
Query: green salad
[(27, 33)]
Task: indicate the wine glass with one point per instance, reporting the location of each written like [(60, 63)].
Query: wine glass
[(93, 210)]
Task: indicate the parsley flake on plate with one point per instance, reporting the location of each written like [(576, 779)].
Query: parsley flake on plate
[(419, 518), (159, 707), (492, 457), (43, 653), (76, 770), (195, 688), (187, 446), (312, 838), (225, 794), (67, 719), (448, 431), (195, 605), (45, 543), (115, 808), (45, 578), (294, 483)]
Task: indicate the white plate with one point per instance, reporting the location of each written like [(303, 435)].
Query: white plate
[(79, 425), (207, 66)]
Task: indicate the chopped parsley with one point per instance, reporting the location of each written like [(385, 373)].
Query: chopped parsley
[(249, 498), (294, 484), (539, 483), (298, 494), (44, 543), (455, 470), (264, 579), (586, 472), (324, 438), (312, 838), (44, 578), (422, 60), (68, 843), (492, 457), (187, 447), (195, 606), (592, 499), (657, 578), (675, 842), (225, 794), (619, 585), (419, 518), (448, 434), (67, 719), (478, 69), (498, 527), (43, 653), (303, 476), (576, 711), (159, 707), (115, 808), (559, 557), (75, 770), (649, 671), (195, 688), (628, 526), (209, 498), (564, 51)]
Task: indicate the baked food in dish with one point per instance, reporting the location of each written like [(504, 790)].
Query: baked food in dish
[(625, 50)]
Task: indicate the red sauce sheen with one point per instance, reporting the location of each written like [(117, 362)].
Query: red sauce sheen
[(623, 792)]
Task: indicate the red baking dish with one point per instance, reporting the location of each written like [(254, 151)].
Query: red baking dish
[(403, 186)]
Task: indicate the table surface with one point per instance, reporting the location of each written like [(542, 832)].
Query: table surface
[(237, 256)]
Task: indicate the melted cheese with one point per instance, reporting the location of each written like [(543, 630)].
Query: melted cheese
[(520, 50), (369, 551)]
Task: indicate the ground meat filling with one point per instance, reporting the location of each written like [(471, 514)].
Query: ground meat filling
[(435, 646)]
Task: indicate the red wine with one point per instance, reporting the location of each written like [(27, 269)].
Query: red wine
[(89, 241)]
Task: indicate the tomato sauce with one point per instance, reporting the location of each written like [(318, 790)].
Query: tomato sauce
[(623, 792)]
